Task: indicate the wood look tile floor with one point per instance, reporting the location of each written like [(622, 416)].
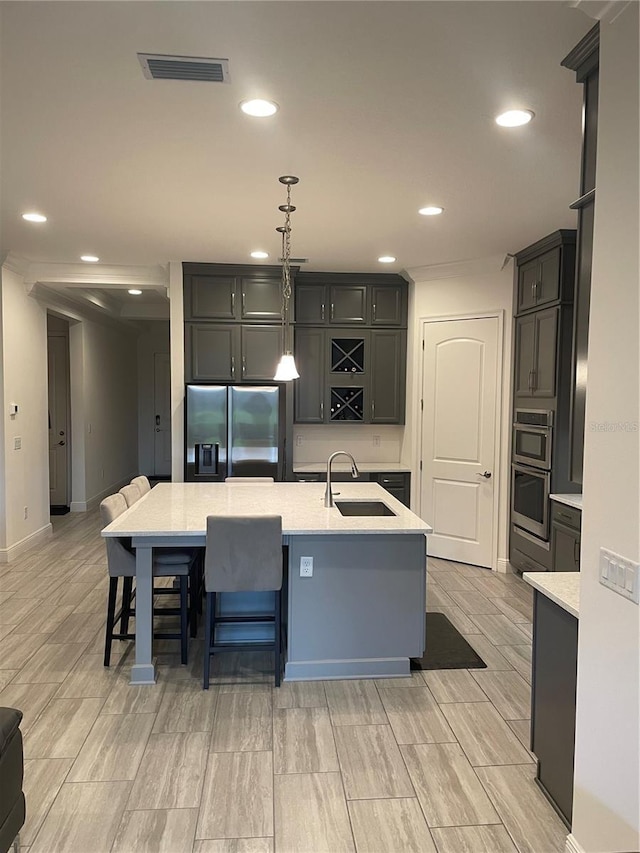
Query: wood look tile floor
[(433, 763)]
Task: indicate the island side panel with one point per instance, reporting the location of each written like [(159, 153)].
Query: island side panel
[(362, 613)]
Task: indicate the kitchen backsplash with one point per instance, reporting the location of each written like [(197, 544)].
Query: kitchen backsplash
[(365, 442)]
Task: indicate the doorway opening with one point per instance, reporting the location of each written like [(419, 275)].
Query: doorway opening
[(59, 404)]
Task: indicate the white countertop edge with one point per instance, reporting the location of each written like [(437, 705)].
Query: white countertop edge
[(345, 467), (569, 500), (563, 588)]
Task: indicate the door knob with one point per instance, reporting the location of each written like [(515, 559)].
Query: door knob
[(485, 474), (62, 443)]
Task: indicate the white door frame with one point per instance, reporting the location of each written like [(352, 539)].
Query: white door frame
[(497, 478)]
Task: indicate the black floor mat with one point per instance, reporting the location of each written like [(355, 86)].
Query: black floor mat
[(446, 648)]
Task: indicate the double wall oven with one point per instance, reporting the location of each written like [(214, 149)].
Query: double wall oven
[(531, 471)]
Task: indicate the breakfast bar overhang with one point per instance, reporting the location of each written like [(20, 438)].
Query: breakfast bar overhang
[(362, 612)]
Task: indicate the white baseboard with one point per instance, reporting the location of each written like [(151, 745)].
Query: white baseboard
[(94, 502), (503, 566), (18, 548), (572, 846)]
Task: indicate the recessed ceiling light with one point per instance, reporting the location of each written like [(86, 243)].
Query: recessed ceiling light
[(260, 255), (259, 108), (89, 259), (34, 217), (386, 259), (134, 292), (514, 118), (431, 210)]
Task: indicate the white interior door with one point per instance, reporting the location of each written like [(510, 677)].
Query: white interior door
[(58, 392), (460, 394), (162, 414)]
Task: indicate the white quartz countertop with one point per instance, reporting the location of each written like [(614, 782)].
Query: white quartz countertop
[(345, 467), (182, 508), (561, 587), (570, 500)]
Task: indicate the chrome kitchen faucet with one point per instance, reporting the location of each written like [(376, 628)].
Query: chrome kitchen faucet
[(328, 495)]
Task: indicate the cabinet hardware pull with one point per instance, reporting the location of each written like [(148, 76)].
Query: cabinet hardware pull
[(374, 312), (576, 553), (321, 410), (332, 311), (533, 290), (534, 384), (530, 383), (244, 365), (233, 367), (233, 303), (373, 409), (322, 311), (243, 303)]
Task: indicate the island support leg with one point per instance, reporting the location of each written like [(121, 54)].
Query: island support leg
[(143, 671)]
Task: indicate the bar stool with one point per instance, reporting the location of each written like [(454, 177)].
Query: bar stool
[(243, 554), (142, 483), (172, 557), (121, 563)]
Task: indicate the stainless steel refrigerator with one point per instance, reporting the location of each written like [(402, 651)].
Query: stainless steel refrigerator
[(234, 431)]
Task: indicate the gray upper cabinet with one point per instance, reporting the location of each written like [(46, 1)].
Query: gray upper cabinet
[(232, 293), (260, 298), (348, 304), (309, 389), (388, 305), (388, 353), (546, 271), (210, 297), (212, 352), (261, 351), (218, 352), (535, 354), (350, 299)]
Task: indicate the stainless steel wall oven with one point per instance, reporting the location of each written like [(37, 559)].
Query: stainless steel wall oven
[(532, 437), (530, 489)]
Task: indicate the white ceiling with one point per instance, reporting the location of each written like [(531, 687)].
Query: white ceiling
[(385, 107)]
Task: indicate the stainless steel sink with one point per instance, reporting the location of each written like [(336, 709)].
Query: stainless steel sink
[(363, 508)]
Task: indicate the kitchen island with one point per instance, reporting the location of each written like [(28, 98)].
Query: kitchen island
[(361, 613)]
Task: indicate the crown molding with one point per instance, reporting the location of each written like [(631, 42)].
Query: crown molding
[(15, 263), (458, 269), (601, 10), (98, 275)]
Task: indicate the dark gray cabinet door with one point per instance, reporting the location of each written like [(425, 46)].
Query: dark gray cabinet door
[(546, 334), (539, 281), (261, 351), (309, 389), (210, 297), (388, 305), (310, 303), (212, 353), (525, 354), (260, 298), (348, 304), (553, 699), (387, 377), (565, 544)]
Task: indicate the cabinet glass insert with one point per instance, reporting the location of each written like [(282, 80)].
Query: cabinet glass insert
[(347, 355), (347, 404)]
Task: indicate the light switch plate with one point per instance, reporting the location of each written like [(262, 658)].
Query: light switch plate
[(620, 574)]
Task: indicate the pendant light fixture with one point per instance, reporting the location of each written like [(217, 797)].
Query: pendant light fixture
[(286, 369)]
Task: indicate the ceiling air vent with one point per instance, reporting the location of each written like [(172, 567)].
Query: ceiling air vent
[(156, 66)]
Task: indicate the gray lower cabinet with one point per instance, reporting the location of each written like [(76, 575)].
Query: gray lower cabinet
[(397, 483), (553, 700), (217, 352), (565, 538)]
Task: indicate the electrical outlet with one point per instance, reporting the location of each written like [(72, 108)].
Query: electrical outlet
[(376, 441), (306, 567), (298, 441), (26, 512), (17, 443), (620, 574)]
